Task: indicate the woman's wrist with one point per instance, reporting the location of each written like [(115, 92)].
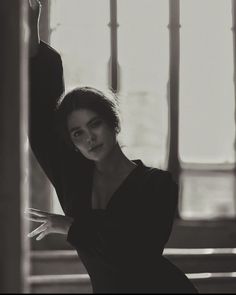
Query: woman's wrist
[(34, 18), (34, 42)]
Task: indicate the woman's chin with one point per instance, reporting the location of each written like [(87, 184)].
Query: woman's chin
[(96, 157)]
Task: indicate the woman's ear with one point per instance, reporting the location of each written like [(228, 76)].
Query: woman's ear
[(75, 149)]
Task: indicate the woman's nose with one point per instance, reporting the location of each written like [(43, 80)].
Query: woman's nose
[(90, 137)]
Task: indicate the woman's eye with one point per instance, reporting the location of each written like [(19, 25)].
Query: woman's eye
[(96, 123), (77, 133)]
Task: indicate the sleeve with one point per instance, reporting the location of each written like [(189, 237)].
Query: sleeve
[(60, 163), (46, 87), (144, 225), (158, 213)]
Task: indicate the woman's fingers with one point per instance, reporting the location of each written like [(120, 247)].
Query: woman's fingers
[(36, 219), (39, 216), (38, 230), (42, 235), (34, 3), (36, 215), (37, 212)]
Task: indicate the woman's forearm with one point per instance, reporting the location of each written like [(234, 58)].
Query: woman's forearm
[(34, 18)]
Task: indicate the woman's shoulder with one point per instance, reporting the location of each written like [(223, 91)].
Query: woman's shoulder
[(158, 184), (154, 173), (157, 179)]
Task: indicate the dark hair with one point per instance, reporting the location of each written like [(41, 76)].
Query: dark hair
[(104, 105)]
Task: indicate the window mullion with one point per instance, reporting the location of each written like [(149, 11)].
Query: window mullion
[(173, 99), (113, 63), (234, 53)]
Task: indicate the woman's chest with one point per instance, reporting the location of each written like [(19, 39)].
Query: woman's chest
[(103, 191)]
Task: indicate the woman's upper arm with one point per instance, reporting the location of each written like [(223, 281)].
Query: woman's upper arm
[(153, 213), (46, 87), (163, 205)]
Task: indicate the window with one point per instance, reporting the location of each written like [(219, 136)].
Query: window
[(143, 50), (206, 86), (207, 106)]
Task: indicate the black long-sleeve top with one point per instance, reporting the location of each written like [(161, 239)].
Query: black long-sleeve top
[(121, 246)]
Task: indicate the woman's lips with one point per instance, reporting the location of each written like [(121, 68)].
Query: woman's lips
[(95, 148)]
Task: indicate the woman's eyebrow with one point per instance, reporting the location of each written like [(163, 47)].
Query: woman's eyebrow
[(74, 128), (93, 119), (89, 122)]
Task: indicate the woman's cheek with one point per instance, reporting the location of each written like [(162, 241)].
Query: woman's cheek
[(78, 143)]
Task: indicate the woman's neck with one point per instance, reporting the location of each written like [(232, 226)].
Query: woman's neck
[(116, 162)]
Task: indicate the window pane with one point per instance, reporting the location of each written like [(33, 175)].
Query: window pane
[(208, 194), (207, 127), (207, 106), (81, 34), (143, 53)]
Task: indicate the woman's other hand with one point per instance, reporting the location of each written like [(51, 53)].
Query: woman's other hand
[(34, 17), (51, 223)]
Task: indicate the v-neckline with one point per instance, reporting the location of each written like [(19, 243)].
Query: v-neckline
[(122, 184)]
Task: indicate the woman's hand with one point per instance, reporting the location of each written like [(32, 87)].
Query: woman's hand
[(34, 17), (51, 223)]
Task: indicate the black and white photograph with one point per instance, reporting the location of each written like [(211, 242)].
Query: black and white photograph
[(118, 146)]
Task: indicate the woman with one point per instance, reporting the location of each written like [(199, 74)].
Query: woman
[(118, 212)]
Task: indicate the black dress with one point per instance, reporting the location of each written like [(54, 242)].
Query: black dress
[(121, 246)]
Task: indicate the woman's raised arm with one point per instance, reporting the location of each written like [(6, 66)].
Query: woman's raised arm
[(46, 82), (46, 85)]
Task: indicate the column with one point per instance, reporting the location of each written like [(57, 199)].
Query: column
[(14, 248)]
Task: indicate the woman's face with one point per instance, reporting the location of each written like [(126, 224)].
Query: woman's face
[(91, 134)]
